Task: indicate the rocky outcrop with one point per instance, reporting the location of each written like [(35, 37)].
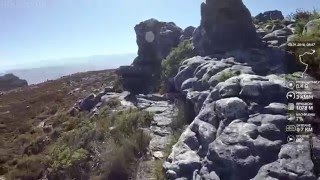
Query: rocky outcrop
[(10, 81), (276, 34), (201, 73), (225, 25), (187, 33), (294, 163), (238, 132), (155, 39), (269, 16), (160, 131)]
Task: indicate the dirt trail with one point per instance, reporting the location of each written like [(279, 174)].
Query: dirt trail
[(160, 132)]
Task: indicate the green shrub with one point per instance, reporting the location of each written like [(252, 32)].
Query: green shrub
[(225, 75), (302, 17), (29, 167), (301, 14), (158, 171), (116, 135), (128, 142), (117, 85), (113, 103), (127, 122), (64, 156), (171, 64)]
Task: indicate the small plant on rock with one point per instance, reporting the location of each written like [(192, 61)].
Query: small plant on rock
[(227, 75), (171, 64)]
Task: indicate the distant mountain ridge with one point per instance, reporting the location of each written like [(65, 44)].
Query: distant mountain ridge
[(10, 81)]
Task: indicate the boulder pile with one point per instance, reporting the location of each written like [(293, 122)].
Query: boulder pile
[(239, 132)]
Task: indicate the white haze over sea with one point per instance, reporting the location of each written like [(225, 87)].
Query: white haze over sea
[(39, 72)]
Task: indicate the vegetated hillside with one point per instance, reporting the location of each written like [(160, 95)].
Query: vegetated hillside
[(22, 111)]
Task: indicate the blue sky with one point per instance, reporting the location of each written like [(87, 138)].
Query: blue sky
[(40, 32)]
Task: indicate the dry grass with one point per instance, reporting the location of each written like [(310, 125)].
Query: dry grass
[(23, 109)]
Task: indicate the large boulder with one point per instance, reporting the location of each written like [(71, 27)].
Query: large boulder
[(225, 25), (312, 26), (187, 33), (155, 40), (269, 15), (10, 81), (294, 163)]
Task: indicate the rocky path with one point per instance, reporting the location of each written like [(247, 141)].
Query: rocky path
[(160, 132)]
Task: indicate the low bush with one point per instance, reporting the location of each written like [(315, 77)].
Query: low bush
[(301, 18), (225, 75), (29, 167), (171, 64), (113, 103), (117, 85), (111, 140), (127, 142), (63, 156)]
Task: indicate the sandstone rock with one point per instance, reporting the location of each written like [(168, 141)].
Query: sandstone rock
[(278, 120), (185, 163), (250, 89), (184, 74), (187, 33), (48, 129), (223, 23), (155, 40), (294, 163), (269, 15), (312, 26), (158, 154), (277, 27), (231, 108), (197, 98), (88, 103), (236, 152), (315, 149), (229, 88), (269, 37), (276, 108), (10, 81), (283, 32), (268, 27), (205, 132), (188, 84)]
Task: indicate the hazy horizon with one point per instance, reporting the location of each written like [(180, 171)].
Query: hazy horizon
[(122, 59), (39, 74)]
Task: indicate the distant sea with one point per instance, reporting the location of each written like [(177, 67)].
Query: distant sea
[(94, 63)]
